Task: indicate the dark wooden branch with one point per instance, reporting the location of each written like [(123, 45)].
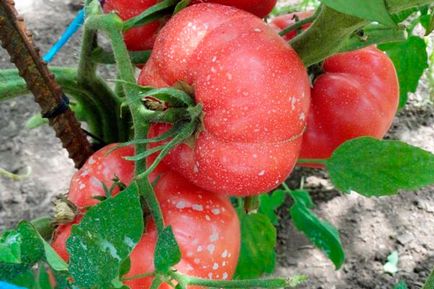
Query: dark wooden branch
[(48, 94)]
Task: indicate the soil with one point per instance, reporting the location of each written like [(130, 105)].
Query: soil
[(370, 228)]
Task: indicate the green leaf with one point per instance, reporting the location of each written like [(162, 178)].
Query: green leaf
[(391, 265), (258, 240), (53, 259), (152, 13), (43, 278), (379, 168), (25, 279), (31, 248), (10, 247), (319, 232), (373, 10), (104, 239), (410, 59), (269, 203), (373, 34), (401, 285), (167, 253)]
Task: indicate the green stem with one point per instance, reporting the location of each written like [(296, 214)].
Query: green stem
[(297, 25), (285, 186), (13, 85), (312, 161), (253, 283), (429, 284), (112, 25), (251, 204), (99, 55), (139, 276), (331, 29), (115, 129)]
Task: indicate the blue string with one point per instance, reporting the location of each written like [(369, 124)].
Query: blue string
[(4, 285), (73, 27)]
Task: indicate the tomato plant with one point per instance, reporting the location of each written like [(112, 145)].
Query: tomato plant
[(222, 107), (205, 226), (226, 156)]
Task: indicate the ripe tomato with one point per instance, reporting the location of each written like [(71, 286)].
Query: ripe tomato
[(357, 94), (139, 38), (260, 8), (101, 168), (254, 91), (205, 225)]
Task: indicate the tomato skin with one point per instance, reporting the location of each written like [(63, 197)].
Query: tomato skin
[(101, 167), (206, 228), (139, 38), (260, 8), (251, 124), (356, 95), (205, 225)]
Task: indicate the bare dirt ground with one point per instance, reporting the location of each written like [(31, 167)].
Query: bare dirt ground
[(370, 228)]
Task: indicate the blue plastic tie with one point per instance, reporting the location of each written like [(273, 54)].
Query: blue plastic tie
[(73, 27), (4, 285)]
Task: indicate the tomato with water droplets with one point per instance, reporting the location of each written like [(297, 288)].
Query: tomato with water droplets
[(260, 8), (356, 94), (101, 168), (205, 226), (254, 91), (138, 38)]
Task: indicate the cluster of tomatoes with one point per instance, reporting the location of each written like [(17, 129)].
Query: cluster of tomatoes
[(260, 114)]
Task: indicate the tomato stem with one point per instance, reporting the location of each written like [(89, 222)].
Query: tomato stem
[(139, 276), (297, 25), (312, 161), (249, 283), (112, 25)]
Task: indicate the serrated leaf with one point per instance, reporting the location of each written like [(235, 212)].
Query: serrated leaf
[(373, 10), (410, 59), (401, 285), (391, 265), (104, 239), (319, 232), (269, 203), (32, 251), (258, 240), (167, 253), (373, 167)]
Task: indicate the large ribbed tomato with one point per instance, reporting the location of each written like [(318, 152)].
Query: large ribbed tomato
[(139, 38), (260, 8), (357, 94), (254, 91), (205, 225)]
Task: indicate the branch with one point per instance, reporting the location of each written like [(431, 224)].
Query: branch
[(41, 82), (332, 29)]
